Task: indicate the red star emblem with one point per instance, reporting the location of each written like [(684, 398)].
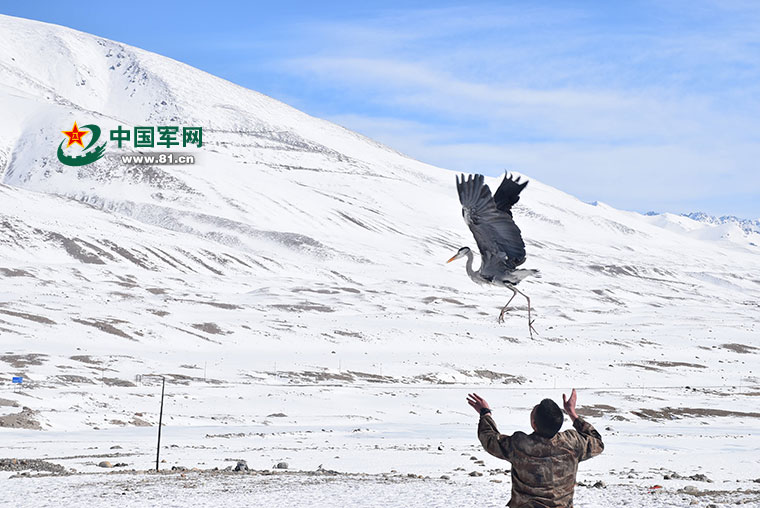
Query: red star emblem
[(75, 135)]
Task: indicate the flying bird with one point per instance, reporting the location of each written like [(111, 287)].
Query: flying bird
[(499, 239)]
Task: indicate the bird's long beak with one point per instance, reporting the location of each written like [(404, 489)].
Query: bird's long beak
[(452, 258)]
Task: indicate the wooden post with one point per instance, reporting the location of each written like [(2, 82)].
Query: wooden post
[(160, 418)]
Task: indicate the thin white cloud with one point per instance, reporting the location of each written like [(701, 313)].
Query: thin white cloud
[(636, 177), (625, 114), (601, 115)]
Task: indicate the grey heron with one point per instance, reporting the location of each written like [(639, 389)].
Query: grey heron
[(499, 239)]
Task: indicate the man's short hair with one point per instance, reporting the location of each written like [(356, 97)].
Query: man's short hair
[(548, 417)]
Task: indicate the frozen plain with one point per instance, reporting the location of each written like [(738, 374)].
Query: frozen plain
[(293, 290)]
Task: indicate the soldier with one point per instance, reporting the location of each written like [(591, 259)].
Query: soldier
[(545, 462)]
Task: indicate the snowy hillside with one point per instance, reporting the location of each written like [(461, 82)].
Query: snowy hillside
[(299, 264)]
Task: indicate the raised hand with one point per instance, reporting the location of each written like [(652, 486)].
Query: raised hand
[(477, 402), (569, 404)]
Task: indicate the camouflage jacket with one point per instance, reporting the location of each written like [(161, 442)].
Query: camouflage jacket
[(543, 470)]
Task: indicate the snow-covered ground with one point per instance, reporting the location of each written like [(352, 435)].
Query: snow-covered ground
[(308, 490), (292, 288)]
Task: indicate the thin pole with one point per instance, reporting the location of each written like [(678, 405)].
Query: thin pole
[(160, 418)]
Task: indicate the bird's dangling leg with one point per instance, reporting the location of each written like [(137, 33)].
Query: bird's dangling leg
[(530, 321), (504, 309)]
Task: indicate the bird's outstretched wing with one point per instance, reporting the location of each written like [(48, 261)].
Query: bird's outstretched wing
[(498, 237), (508, 193)]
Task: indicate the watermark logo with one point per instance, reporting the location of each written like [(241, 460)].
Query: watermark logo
[(139, 137), (168, 136), (75, 136)]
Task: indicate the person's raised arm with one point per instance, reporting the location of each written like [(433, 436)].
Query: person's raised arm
[(494, 443), (590, 441), (570, 405)]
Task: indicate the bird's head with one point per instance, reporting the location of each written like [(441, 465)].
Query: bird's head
[(460, 254)]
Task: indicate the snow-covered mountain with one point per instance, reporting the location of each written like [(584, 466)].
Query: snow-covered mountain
[(730, 228), (298, 252), (747, 225)]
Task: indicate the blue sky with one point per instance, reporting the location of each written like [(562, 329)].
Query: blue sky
[(642, 105)]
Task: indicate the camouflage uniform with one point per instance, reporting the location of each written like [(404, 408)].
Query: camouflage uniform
[(543, 470)]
